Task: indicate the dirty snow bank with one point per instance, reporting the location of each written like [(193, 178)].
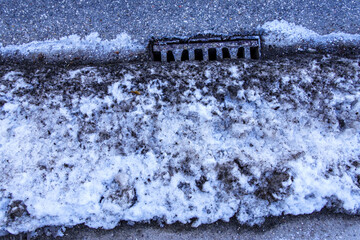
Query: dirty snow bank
[(195, 143)]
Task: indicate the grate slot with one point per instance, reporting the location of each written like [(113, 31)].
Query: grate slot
[(170, 56), (254, 52), (212, 54), (185, 55), (157, 56), (241, 53), (225, 53), (199, 54)]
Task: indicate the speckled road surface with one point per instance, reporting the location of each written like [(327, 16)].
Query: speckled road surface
[(25, 21), (316, 227)]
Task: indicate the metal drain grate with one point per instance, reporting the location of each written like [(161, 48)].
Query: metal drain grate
[(206, 48)]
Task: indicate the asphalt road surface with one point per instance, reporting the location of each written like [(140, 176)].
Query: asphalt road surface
[(25, 21)]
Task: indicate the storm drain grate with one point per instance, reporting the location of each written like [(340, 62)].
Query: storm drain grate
[(206, 49)]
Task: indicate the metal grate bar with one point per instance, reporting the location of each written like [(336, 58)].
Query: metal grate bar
[(205, 49)]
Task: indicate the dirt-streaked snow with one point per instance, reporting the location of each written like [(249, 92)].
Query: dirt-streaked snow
[(190, 142)]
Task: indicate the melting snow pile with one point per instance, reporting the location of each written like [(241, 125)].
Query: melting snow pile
[(192, 143), (281, 33)]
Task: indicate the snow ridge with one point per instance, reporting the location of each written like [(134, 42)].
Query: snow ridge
[(91, 46), (282, 33)]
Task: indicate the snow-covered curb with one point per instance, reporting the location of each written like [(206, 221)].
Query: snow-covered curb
[(196, 143)]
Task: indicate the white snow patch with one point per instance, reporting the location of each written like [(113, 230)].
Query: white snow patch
[(117, 89), (207, 73), (234, 71), (282, 33), (73, 43), (10, 106), (89, 104)]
